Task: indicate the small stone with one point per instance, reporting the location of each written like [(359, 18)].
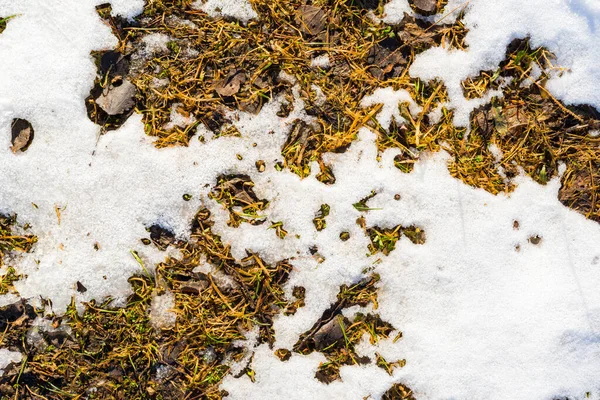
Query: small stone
[(535, 240)]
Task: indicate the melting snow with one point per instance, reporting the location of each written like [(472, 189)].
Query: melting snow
[(485, 312), (568, 28)]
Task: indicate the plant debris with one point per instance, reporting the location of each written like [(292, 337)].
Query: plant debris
[(116, 99), (22, 135)]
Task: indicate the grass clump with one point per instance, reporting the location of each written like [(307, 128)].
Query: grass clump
[(119, 352), (11, 241), (235, 193), (336, 336)]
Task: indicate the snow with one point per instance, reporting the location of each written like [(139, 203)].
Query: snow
[(394, 10), (156, 43), (161, 311), (237, 9), (321, 61), (568, 28), (177, 118), (8, 357), (479, 318), (485, 313), (125, 8), (390, 99)]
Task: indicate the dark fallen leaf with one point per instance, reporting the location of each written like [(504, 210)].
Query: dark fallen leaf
[(114, 64), (426, 7), (232, 84), (484, 121), (116, 100), (194, 288), (22, 135), (14, 312), (411, 32), (499, 121), (81, 288), (384, 61), (311, 19), (329, 333)]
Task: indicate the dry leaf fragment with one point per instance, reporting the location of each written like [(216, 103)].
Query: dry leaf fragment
[(311, 19), (484, 121), (426, 7), (329, 333), (384, 61), (232, 84), (81, 288), (117, 99), (516, 119), (22, 135)]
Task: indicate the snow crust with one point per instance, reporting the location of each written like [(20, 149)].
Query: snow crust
[(485, 312), (390, 100)]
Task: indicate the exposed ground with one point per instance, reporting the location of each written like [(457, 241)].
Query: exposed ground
[(210, 65)]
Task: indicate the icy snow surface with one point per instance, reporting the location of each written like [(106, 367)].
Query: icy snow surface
[(485, 313)]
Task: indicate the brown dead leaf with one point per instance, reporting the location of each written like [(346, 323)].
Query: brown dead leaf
[(516, 118), (311, 19), (329, 333), (426, 7), (385, 61), (411, 33), (484, 121), (116, 100), (231, 84), (22, 135)]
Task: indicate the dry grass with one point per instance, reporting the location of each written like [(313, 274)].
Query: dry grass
[(336, 336), (108, 352)]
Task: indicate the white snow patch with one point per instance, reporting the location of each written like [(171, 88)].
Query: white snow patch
[(156, 43), (496, 152), (436, 114), (125, 8), (8, 357), (162, 315), (238, 9), (8, 298), (179, 119), (390, 99), (568, 28), (321, 61), (393, 12)]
